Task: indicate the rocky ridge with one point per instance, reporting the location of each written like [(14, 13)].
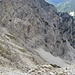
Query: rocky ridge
[(40, 70)]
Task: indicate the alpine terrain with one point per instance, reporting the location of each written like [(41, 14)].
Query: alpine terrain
[(35, 39), (67, 6)]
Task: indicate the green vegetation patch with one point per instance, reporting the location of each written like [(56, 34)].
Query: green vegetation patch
[(11, 36), (22, 50)]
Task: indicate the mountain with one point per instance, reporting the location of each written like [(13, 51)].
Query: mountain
[(67, 6), (55, 1), (34, 34)]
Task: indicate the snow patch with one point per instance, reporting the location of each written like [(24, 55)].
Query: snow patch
[(72, 13), (50, 58)]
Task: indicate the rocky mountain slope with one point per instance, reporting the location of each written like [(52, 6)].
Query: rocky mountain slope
[(32, 32), (67, 6)]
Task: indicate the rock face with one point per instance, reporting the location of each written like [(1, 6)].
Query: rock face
[(49, 70), (26, 26)]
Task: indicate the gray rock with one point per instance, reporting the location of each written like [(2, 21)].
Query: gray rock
[(26, 25)]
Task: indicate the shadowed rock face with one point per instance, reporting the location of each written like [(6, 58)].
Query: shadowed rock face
[(26, 25)]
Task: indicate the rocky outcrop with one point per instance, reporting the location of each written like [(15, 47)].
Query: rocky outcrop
[(49, 70), (40, 70)]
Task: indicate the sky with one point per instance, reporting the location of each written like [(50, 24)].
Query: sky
[(55, 1)]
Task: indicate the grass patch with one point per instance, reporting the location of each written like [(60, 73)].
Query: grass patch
[(61, 74), (22, 50), (1, 48), (4, 52), (11, 36)]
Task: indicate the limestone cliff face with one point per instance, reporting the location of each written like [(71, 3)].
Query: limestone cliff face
[(26, 25)]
